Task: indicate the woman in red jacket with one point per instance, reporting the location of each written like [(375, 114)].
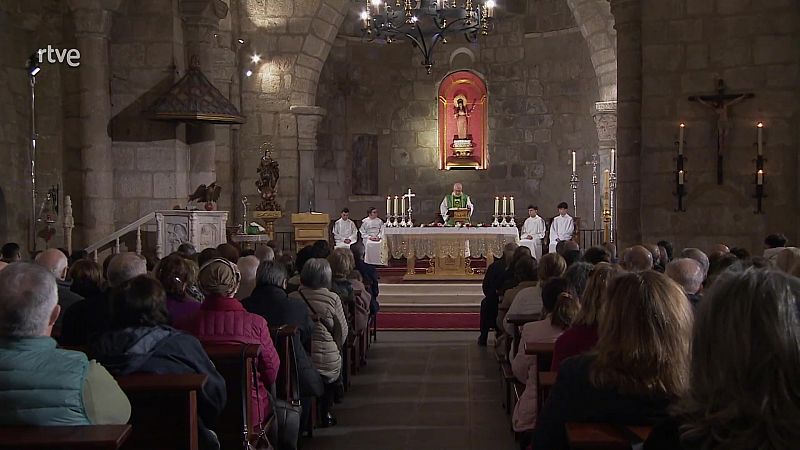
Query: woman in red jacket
[(223, 320)]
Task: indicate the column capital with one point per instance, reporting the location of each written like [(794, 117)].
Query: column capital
[(203, 12), (93, 17)]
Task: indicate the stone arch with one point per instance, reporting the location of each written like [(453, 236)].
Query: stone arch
[(462, 51), (596, 23)]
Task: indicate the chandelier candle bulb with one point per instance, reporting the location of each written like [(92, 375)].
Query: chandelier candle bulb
[(760, 128), (680, 139)]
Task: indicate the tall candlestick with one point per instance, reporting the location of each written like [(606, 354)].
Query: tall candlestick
[(680, 139), (573, 161), (496, 206), (402, 206), (396, 206), (760, 177), (613, 161), (505, 199), (760, 128), (511, 207), (680, 177)]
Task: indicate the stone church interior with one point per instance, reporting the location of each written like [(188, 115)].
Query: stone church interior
[(400, 224)]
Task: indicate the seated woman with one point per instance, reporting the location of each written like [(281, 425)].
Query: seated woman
[(87, 278), (745, 368), (177, 274), (639, 367), (341, 266), (524, 294), (141, 341), (330, 328), (582, 335), (223, 320), (363, 300), (526, 367)]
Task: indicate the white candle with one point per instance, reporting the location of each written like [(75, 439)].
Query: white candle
[(760, 128), (680, 177), (396, 205), (613, 161), (496, 206), (760, 177), (573, 161), (511, 207), (388, 205), (680, 139), (505, 199)]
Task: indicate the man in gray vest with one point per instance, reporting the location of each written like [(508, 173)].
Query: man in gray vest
[(41, 385)]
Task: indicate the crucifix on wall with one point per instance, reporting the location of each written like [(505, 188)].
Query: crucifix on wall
[(720, 103)]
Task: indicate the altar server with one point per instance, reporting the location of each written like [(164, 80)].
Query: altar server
[(345, 232), (533, 232), (377, 251), (562, 227)]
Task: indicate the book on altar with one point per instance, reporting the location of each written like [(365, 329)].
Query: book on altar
[(459, 214)]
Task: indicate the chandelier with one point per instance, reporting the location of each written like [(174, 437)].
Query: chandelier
[(426, 23)]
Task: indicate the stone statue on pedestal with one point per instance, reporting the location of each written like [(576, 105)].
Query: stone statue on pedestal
[(267, 183)]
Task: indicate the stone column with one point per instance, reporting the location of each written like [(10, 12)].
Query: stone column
[(92, 26), (200, 23), (628, 23), (308, 120)]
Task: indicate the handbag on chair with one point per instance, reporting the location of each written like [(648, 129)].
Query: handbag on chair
[(285, 429)]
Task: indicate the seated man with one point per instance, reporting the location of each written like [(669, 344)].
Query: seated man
[(42, 385), (532, 232), (377, 253), (55, 261), (11, 253), (345, 232)]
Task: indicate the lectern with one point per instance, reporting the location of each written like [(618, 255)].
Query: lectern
[(459, 215), (310, 227)]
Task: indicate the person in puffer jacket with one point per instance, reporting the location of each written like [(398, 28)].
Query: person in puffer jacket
[(330, 328), (140, 341), (223, 320)]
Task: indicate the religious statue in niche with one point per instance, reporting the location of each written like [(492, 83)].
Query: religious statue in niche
[(267, 183), (463, 121)]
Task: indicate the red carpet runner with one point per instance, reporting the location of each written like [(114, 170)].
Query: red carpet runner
[(428, 320)]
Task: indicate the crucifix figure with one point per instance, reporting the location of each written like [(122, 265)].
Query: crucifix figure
[(408, 196), (720, 103)]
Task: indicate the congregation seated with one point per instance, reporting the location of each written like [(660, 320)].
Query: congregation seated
[(86, 278), (774, 243), (582, 335), (306, 253), (265, 253), (552, 265), (524, 298), (699, 256), (55, 261), (330, 328), (492, 284), (745, 367), (140, 341), (571, 252), (342, 264), (637, 259), (11, 253), (42, 385), (596, 255), (177, 274), (638, 368), (363, 300), (90, 317), (227, 251), (655, 252), (577, 277), (689, 276), (247, 267), (270, 301), (369, 276), (223, 320), (717, 264), (526, 367)]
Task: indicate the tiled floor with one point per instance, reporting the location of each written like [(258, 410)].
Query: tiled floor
[(422, 391)]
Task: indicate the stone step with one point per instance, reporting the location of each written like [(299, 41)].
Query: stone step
[(430, 307), (443, 297), (431, 288)]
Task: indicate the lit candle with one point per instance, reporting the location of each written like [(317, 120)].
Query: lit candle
[(388, 205), (511, 207), (505, 200), (760, 177), (490, 4), (402, 206), (680, 177), (365, 18), (613, 161), (396, 205), (496, 206), (760, 128), (680, 139), (573, 161)]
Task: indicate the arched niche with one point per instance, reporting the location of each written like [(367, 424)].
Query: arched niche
[(463, 105)]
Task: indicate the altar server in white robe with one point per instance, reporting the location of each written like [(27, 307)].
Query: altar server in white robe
[(562, 227), (377, 251), (533, 232), (345, 232)]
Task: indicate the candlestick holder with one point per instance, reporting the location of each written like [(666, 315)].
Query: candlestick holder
[(760, 180), (612, 211), (503, 223), (390, 221), (496, 223), (512, 223), (680, 190), (402, 220), (573, 184)]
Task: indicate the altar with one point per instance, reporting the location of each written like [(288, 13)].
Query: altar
[(449, 249)]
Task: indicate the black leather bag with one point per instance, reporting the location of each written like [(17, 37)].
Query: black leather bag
[(285, 430)]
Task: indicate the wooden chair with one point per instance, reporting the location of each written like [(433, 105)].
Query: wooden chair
[(508, 382), (288, 382), (235, 362), (95, 437), (605, 436), (163, 410), (544, 358)]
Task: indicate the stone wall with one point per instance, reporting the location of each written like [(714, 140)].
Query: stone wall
[(542, 89), (754, 47)]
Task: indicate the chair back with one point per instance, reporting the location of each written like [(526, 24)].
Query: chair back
[(96, 437)]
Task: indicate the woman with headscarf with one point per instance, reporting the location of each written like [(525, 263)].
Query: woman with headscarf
[(223, 320)]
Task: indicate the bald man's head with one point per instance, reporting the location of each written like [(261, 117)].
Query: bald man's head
[(719, 248), (697, 255), (637, 259), (653, 249), (686, 272), (54, 261), (457, 188)]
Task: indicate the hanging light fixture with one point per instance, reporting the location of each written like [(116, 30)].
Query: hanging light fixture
[(426, 23)]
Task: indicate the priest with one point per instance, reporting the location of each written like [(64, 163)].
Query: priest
[(345, 232), (532, 232), (377, 252), (457, 199), (562, 227)]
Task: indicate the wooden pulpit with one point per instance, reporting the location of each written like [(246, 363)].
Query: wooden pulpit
[(310, 227)]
